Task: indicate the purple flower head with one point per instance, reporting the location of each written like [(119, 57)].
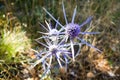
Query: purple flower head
[(54, 50), (52, 33), (72, 30)]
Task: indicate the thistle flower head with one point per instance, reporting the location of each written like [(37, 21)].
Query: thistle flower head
[(54, 50), (72, 30), (54, 32), (50, 31)]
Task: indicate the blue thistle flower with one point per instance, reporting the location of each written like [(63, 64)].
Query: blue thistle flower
[(52, 33), (53, 50), (73, 30)]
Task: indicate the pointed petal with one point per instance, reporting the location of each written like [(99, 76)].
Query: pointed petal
[(89, 33), (66, 61), (47, 41), (61, 29), (42, 43), (53, 18), (56, 25), (58, 59), (59, 62), (48, 25), (87, 21), (73, 17), (50, 61), (42, 37), (84, 42), (64, 13), (72, 48), (61, 42), (44, 27), (43, 65), (78, 52), (43, 33), (40, 60)]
